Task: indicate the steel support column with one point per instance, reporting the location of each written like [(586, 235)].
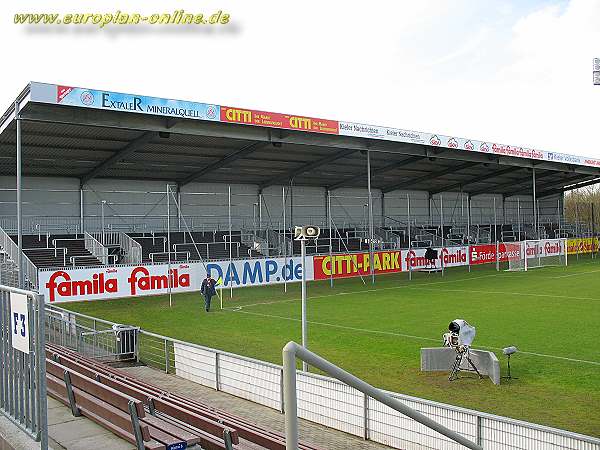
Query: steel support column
[(19, 199), (442, 229), (284, 206), (81, 211), (230, 271), (168, 242), (331, 265), (429, 209), (535, 216), (408, 219), (291, 203), (469, 223), (382, 223), (371, 260), (260, 203), (180, 205)]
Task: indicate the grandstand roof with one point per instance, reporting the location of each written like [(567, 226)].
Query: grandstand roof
[(88, 133)]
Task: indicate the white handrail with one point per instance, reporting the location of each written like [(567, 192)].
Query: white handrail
[(95, 247), (11, 248), (292, 351), (132, 249)]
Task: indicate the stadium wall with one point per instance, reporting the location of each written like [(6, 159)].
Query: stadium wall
[(55, 199)]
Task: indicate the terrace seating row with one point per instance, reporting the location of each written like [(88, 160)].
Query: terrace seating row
[(130, 407), (205, 245), (342, 240), (57, 250)]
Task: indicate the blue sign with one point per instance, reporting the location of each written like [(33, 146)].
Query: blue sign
[(116, 101), (255, 272)]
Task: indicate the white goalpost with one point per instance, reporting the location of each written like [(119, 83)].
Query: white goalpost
[(532, 254)]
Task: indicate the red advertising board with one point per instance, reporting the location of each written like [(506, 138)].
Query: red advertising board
[(355, 264), (277, 120), (486, 254)]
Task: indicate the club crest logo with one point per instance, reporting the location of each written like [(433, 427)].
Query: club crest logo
[(87, 98), (211, 112), (434, 140)]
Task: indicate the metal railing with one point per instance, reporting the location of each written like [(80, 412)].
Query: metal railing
[(154, 239), (23, 375), (132, 250), (96, 248), (190, 248), (97, 339), (107, 238), (332, 403), (167, 254), (255, 242), (290, 396), (11, 249), (387, 236)]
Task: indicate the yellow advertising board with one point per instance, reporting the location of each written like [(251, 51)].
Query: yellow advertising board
[(582, 245)]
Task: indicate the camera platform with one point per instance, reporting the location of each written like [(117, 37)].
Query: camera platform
[(442, 359), (462, 354)]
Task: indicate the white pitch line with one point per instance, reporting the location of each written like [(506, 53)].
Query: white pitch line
[(411, 336), (577, 274), (240, 307), (424, 286), (527, 294)]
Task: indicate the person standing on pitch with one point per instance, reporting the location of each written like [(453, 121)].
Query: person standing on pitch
[(208, 290)]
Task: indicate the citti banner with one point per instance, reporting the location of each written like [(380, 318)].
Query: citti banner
[(278, 120)]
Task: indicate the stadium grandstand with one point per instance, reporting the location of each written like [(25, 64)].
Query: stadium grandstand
[(92, 167), (110, 195)]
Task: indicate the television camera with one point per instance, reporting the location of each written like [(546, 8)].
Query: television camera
[(460, 337)]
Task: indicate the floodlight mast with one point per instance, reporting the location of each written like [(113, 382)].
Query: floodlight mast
[(302, 234)]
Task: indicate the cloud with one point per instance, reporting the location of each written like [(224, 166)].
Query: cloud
[(512, 72)]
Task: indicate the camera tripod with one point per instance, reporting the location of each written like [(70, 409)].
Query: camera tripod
[(462, 352)]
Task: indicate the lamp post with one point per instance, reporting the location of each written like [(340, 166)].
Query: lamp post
[(302, 234)]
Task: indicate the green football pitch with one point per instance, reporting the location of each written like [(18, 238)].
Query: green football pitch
[(375, 331)]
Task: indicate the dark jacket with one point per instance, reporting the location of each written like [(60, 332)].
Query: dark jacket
[(208, 287)]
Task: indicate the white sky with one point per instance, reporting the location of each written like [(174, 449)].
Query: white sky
[(513, 72)]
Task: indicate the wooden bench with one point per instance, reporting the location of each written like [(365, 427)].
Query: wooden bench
[(173, 406), (107, 407), (123, 414)]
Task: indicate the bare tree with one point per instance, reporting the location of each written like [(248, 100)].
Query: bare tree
[(583, 205)]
